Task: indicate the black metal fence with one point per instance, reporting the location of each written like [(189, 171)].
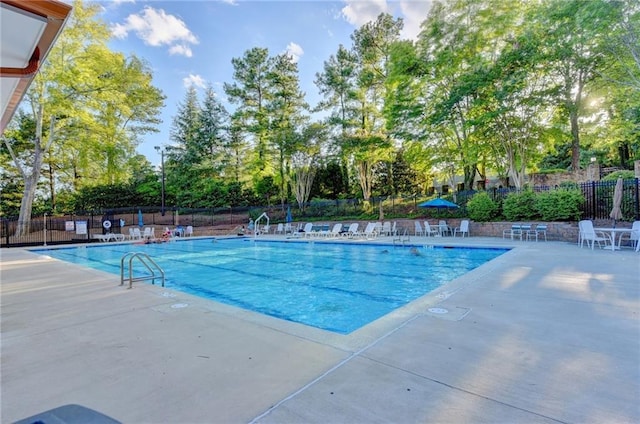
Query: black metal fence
[(83, 227)]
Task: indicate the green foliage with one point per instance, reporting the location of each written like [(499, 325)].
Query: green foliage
[(520, 206), (482, 208), (559, 205), (624, 174)]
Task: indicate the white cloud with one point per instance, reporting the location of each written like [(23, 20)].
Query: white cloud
[(194, 80), (414, 13), (359, 12), (156, 28), (231, 2), (180, 49), (294, 51)]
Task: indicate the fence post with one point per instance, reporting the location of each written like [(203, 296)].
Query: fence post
[(44, 228), (637, 198), (593, 200)]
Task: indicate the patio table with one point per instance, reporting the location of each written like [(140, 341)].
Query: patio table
[(613, 234)]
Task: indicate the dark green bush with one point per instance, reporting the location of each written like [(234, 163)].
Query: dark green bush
[(560, 205), (520, 206), (481, 208)]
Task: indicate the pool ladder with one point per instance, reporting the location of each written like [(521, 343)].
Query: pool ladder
[(145, 260)]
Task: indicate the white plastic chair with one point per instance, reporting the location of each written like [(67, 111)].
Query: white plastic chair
[(462, 229), (428, 231), (588, 234), (418, 229), (188, 232), (280, 229), (633, 237)]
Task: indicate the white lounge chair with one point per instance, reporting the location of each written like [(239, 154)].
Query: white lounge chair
[(369, 231), (352, 231), (336, 230), (189, 231), (308, 229), (463, 228), (280, 228), (386, 228)]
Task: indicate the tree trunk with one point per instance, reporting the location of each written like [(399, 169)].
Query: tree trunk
[(26, 205), (575, 140)]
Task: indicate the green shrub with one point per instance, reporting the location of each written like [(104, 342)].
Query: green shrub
[(624, 174), (560, 205), (481, 208), (520, 206)]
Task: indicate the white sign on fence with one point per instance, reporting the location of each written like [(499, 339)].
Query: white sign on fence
[(81, 227), (68, 226)]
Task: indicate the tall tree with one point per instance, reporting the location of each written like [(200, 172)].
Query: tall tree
[(214, 131), (250, 92), (184, 155), (286, 111), (572, 31), (73, 84)]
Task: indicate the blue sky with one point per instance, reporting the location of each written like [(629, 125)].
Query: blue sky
[(192, 42)]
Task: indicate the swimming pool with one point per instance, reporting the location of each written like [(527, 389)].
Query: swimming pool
[(333, 286)]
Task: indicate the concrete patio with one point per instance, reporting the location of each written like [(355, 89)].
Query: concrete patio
[(547, 332)]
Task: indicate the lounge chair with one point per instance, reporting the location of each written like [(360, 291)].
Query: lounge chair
[(591, 236), (462, 229), (369, 232), (335, 231), (189, 231), (386, 228), (307, 230), (280, 229), (352, 231), (137, 235)]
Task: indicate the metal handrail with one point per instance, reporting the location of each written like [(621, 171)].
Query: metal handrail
[(146, 260)]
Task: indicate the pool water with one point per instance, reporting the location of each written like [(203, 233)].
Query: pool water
[(332, 286)]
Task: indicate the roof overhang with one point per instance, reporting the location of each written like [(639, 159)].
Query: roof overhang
[(28, 30)]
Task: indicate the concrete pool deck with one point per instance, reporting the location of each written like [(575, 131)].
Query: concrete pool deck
[(548, 332)]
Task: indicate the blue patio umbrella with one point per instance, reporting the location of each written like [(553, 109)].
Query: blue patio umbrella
[(438, 203), (140, 220), (289, 218)]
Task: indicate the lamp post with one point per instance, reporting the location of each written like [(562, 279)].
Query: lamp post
[(161, 150)]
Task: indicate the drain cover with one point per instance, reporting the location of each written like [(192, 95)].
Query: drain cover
[(438, 311), (179, 305)]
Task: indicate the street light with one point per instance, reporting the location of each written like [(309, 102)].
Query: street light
[(161, 150)]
